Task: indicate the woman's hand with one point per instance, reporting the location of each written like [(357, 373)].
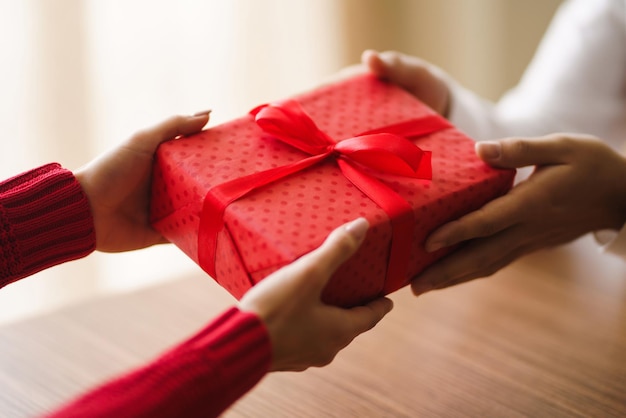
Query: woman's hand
[(420, 78), (578, 186), (117, 185), (303, 330)]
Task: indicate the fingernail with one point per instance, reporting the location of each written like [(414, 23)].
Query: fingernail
[(388, 305), (358, 228), (431, 247), (488, 150), (421, 287), (203, 113), (368, 52)]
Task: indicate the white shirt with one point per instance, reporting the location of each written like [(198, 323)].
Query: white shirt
[(576, 82)]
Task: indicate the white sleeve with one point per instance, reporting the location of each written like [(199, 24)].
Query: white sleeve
[(575, 83)]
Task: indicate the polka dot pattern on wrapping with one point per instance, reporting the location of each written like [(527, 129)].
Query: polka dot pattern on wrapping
[(275, 224)]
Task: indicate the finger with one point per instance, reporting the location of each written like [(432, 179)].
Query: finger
[(148, 139), (479, 258), (406, 71), (371, 60), (521, 152), (394, 66), (363, 318), (495, 216), (340, 245), (488, 269)]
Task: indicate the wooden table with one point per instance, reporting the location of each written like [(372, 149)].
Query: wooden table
[(544, 337)]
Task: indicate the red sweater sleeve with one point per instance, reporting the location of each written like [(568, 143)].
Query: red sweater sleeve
[(199, 378), (45, 220)]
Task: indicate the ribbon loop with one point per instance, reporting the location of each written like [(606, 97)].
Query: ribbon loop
[(387, 153), (287, 122)]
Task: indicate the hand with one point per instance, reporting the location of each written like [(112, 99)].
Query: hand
[(304, 331), (117, 185), (423, 80), (578, 186)]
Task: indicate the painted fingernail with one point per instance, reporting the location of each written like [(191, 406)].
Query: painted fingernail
[(489, 150), (358, 228), (203, 113)]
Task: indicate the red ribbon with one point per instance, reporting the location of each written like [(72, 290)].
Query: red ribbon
[(386, 150)]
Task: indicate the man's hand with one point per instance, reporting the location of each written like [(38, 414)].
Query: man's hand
[(578, 186)]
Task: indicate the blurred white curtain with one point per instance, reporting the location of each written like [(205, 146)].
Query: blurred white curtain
[(78, 76)]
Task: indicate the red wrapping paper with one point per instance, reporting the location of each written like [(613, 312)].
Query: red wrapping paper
[(275, 224)]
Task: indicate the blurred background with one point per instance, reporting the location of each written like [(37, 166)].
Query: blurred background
[(79, 76)]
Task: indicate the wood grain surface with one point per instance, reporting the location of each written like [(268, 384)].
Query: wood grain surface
[(543, 337)]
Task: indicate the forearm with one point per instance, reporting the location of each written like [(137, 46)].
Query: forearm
[(45, 220), (199, 378), (483, 120)]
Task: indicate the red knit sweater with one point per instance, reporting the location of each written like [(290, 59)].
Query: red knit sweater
[(45, 220)]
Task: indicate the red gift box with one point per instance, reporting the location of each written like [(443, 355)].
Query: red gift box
[(247, 197)]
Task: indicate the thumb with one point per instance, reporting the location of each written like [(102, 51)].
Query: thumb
[(521, 152), (363, 318), (147, 140), (340, 245)]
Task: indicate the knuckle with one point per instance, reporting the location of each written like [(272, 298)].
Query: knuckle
[(311, 270), (326, 359), (479, 223), (573, 146), (483, 225), (445, 274), (345, 244), (175, 120), (492, 267), (487, 271), (139, 136), (567, 143), (519, 147), (369, 324), (391, 56), (481, 266), (323, 357)]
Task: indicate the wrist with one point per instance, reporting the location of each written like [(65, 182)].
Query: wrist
[(47, 219)]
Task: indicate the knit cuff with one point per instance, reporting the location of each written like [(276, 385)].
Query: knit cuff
[(199, 378), (239, 344), (45, 219)]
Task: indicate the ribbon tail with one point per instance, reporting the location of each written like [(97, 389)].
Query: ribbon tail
[(219, 197), (402, 222)]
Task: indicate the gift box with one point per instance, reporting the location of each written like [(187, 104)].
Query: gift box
[(250, 196)]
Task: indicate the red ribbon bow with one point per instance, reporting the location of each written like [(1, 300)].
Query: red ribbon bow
[(386, 150)]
